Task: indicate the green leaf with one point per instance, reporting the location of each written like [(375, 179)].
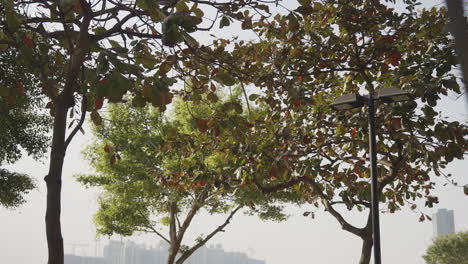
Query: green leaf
[(138, 101), (3, 91), (197, 11), (117, 86), (157, 15), (225, 78), (253, 97), (13, 21), (237, 107), (224, 22), (190, 40), (181, 6), (116, 46), (96, 118), (304, 2), (102, 64), (99, 30), (212, 97), (293, 23), (465, 189)]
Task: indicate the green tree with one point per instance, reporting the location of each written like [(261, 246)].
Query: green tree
[(452, 248), (23, 126), (322, 50), (12, 188), (102, 50), (161, 173)]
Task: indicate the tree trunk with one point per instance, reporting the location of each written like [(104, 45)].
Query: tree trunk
[(57, 154), (172, 254), (54, 185), (366, 250)]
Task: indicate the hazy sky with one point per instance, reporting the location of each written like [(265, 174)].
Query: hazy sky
[(299, 240)]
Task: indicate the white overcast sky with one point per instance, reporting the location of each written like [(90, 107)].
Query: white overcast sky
[(299, 240)]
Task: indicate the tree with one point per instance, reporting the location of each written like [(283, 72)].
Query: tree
[(103, 50), (452, 248), (12, 188), (319, 51), (161, 173), (23, 126)]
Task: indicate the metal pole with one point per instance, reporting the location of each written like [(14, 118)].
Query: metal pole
[(374, 184)]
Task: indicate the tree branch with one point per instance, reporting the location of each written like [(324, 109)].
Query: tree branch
[(190, 215), (220, 228), (84, 104), (344, 224), (159, 234)]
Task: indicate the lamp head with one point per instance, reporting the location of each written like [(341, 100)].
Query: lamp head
[(392, 94), (346, 102)]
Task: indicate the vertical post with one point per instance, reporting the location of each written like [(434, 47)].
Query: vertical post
[(374, 183)]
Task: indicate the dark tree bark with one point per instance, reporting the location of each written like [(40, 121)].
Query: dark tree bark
[(54, 187), (458, 29), (366, 250), (175, 246), (59, 144)]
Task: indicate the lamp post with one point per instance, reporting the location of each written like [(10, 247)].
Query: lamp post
[(349, 101)]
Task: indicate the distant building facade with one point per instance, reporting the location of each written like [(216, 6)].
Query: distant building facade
[(72, 259), (131, 253), (443, 222)]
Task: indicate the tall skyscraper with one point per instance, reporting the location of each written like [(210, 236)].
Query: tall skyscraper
[(443, 222)]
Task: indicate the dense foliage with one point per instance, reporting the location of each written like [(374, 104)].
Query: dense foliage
[(302, 59), (320, 51), (161, 172), (13, 186), (24, 125), (452, 248), (103, 49)]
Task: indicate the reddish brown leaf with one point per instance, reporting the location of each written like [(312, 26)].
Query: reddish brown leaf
[(112, 160), (394, 59), (20, 88), (107, 149), (214, 71), (215, 132), (202, 124), (422, 218), (297, 102), (28, 41), (98, 103), (396, 123)]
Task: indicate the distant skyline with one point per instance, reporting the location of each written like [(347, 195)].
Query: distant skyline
[(129, 252), (299, 240)]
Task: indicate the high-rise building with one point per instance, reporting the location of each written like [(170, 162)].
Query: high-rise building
[(443, 222), (132, 253)]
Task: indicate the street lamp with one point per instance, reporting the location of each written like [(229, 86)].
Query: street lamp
[(350, 101)]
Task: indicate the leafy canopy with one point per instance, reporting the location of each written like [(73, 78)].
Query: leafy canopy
[(157, 171), (24, 127), (452, 248)]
